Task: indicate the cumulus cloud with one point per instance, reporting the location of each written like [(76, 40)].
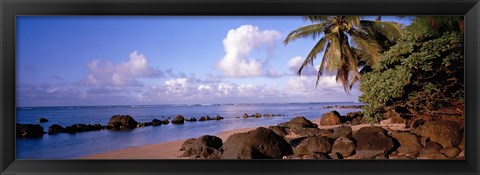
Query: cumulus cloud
[(295, 63), (239, 44), (122, 74)]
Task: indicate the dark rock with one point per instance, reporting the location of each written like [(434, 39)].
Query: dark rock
[(208, 118), (191, 120), (42, 120), (335, 155), (210, 141), (431, 147), (343, 146), (189, 147), (372, 142), (281, 131), (299, 121), (82, 128), (261, 143), (352, 115), (121, 122), (432, 156), (165, 121), (218, 117), (344, 131), (156, 122), (316, 144), (257, 115), (245, 115), (306, 132), (55, 129), (446, 133), (179, 119), (331, 118), (450, 152), (409, 143), (205, 147), (29, 130)]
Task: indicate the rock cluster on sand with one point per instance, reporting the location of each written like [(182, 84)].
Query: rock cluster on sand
[(300, 138)]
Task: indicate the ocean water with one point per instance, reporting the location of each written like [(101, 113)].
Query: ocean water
[(68, 146)]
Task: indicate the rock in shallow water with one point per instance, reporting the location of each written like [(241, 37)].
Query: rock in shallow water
[(179, 119), (122, 122), (29, 130)]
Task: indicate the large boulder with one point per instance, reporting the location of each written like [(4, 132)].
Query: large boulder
[(205, 147), (29, 130), (409, 143), (343, 146), (122, 122), (446, 133), (311, 145), (55, 129), (331, 118), (372, 142), (179, 119), (42, 120), (189, 147), (261, 143)]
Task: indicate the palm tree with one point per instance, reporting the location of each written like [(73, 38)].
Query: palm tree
[(347, 43)]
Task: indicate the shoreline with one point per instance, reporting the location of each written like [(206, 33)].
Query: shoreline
[(162, 150), (171, 149)]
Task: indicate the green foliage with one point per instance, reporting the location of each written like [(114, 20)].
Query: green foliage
[(422, 72)]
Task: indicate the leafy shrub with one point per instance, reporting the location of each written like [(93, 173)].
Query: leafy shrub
[(421, 73)]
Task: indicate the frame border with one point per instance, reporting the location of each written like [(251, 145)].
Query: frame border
[(11, 8)]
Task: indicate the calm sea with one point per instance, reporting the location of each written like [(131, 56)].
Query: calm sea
[(66, 146)]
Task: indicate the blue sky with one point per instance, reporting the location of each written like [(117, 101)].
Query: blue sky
[(107, 60)]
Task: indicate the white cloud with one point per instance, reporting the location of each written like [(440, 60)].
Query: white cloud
[(295, 63), (176, 86), (123, 74), (238, 45)]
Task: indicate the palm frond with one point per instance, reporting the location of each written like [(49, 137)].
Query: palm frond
[(322, 63), (370, 48), (319, 47), (309, 31), (318, 18)]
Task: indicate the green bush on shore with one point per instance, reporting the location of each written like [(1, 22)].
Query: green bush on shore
[(421, 73)]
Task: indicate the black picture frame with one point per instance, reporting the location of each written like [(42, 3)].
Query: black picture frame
[(11, 8)]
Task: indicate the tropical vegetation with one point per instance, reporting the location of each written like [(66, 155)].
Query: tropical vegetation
[(351, 45)]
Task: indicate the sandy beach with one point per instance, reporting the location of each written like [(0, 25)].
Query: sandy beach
[(165, 150)]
